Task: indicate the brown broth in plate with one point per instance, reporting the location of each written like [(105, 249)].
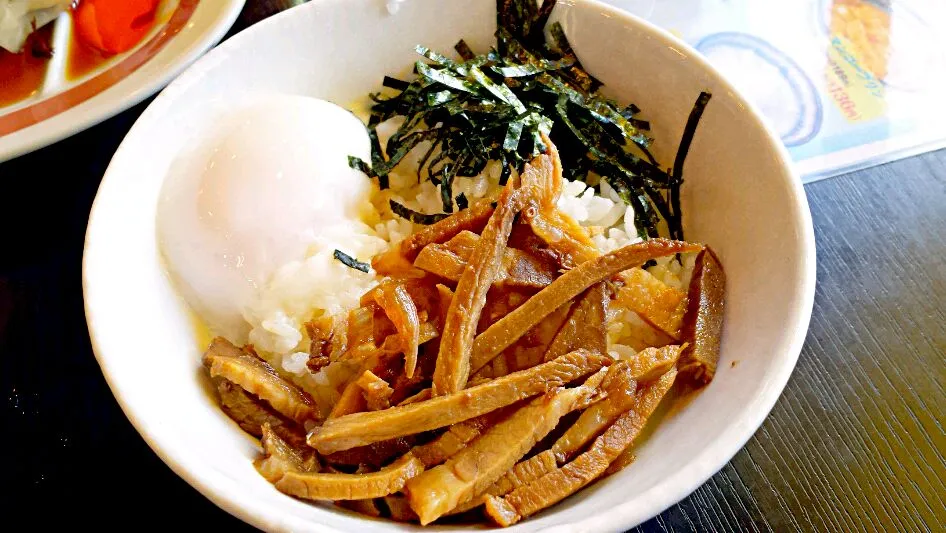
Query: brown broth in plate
[(22, 75), (82, 59)]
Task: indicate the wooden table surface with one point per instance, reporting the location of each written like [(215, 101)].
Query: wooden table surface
[(856, 442)]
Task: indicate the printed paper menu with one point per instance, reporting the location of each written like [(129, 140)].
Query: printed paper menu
[(846, 83)]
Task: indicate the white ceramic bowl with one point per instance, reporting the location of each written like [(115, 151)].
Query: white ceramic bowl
[(741, 196)]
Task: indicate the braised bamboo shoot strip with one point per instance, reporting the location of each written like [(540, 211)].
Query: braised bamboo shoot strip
[(440, 261), (620, 385), (317, 486), (586, 325), (352, 400), (651, 363), (373, 455), (455, 438), (530, 349), (375, 360), (703, 322), (507, 330), (419, 397), (520, 269), (623, 461), (456, 339), (400, 509), (445, 296), (359, 429), (401, 257), (280, 457), (545, 180), (487, 458), (561, 233), (657, 303), (258, 378), (393, 297), (561, 483), (365, 507), (376, 391), (523, 473), (252, 415)]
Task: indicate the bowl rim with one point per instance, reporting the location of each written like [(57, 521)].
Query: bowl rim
[(668, 492)]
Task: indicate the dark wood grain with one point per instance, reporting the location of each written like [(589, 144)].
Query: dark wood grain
[(857, 440)]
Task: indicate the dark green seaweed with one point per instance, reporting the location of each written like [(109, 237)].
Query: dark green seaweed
[(417, 218), (462, 202), (351, 262), (496, 106)]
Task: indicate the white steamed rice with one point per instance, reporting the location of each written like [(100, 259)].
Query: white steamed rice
[(320, 285)]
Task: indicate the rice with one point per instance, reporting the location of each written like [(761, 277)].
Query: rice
[(320, 285)]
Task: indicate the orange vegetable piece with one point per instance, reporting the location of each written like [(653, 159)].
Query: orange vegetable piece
[(114, 26)]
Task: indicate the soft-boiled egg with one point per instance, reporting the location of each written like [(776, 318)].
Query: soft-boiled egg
[(255, 197)]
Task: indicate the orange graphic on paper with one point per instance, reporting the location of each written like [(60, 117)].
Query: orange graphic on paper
[(857, 58)]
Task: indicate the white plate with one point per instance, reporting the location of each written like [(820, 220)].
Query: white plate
[(741, 196), (185, 30)]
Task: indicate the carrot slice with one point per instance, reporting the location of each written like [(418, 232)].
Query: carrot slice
[(114, 26), (507, 330)]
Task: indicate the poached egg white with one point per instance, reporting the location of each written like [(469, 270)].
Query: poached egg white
[(254, 197)]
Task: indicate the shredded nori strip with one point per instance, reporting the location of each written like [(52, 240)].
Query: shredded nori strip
[(394, 83), (464, 50), (462, 202), (689, 131), (351, 262), (417, 218), (496, 106)]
